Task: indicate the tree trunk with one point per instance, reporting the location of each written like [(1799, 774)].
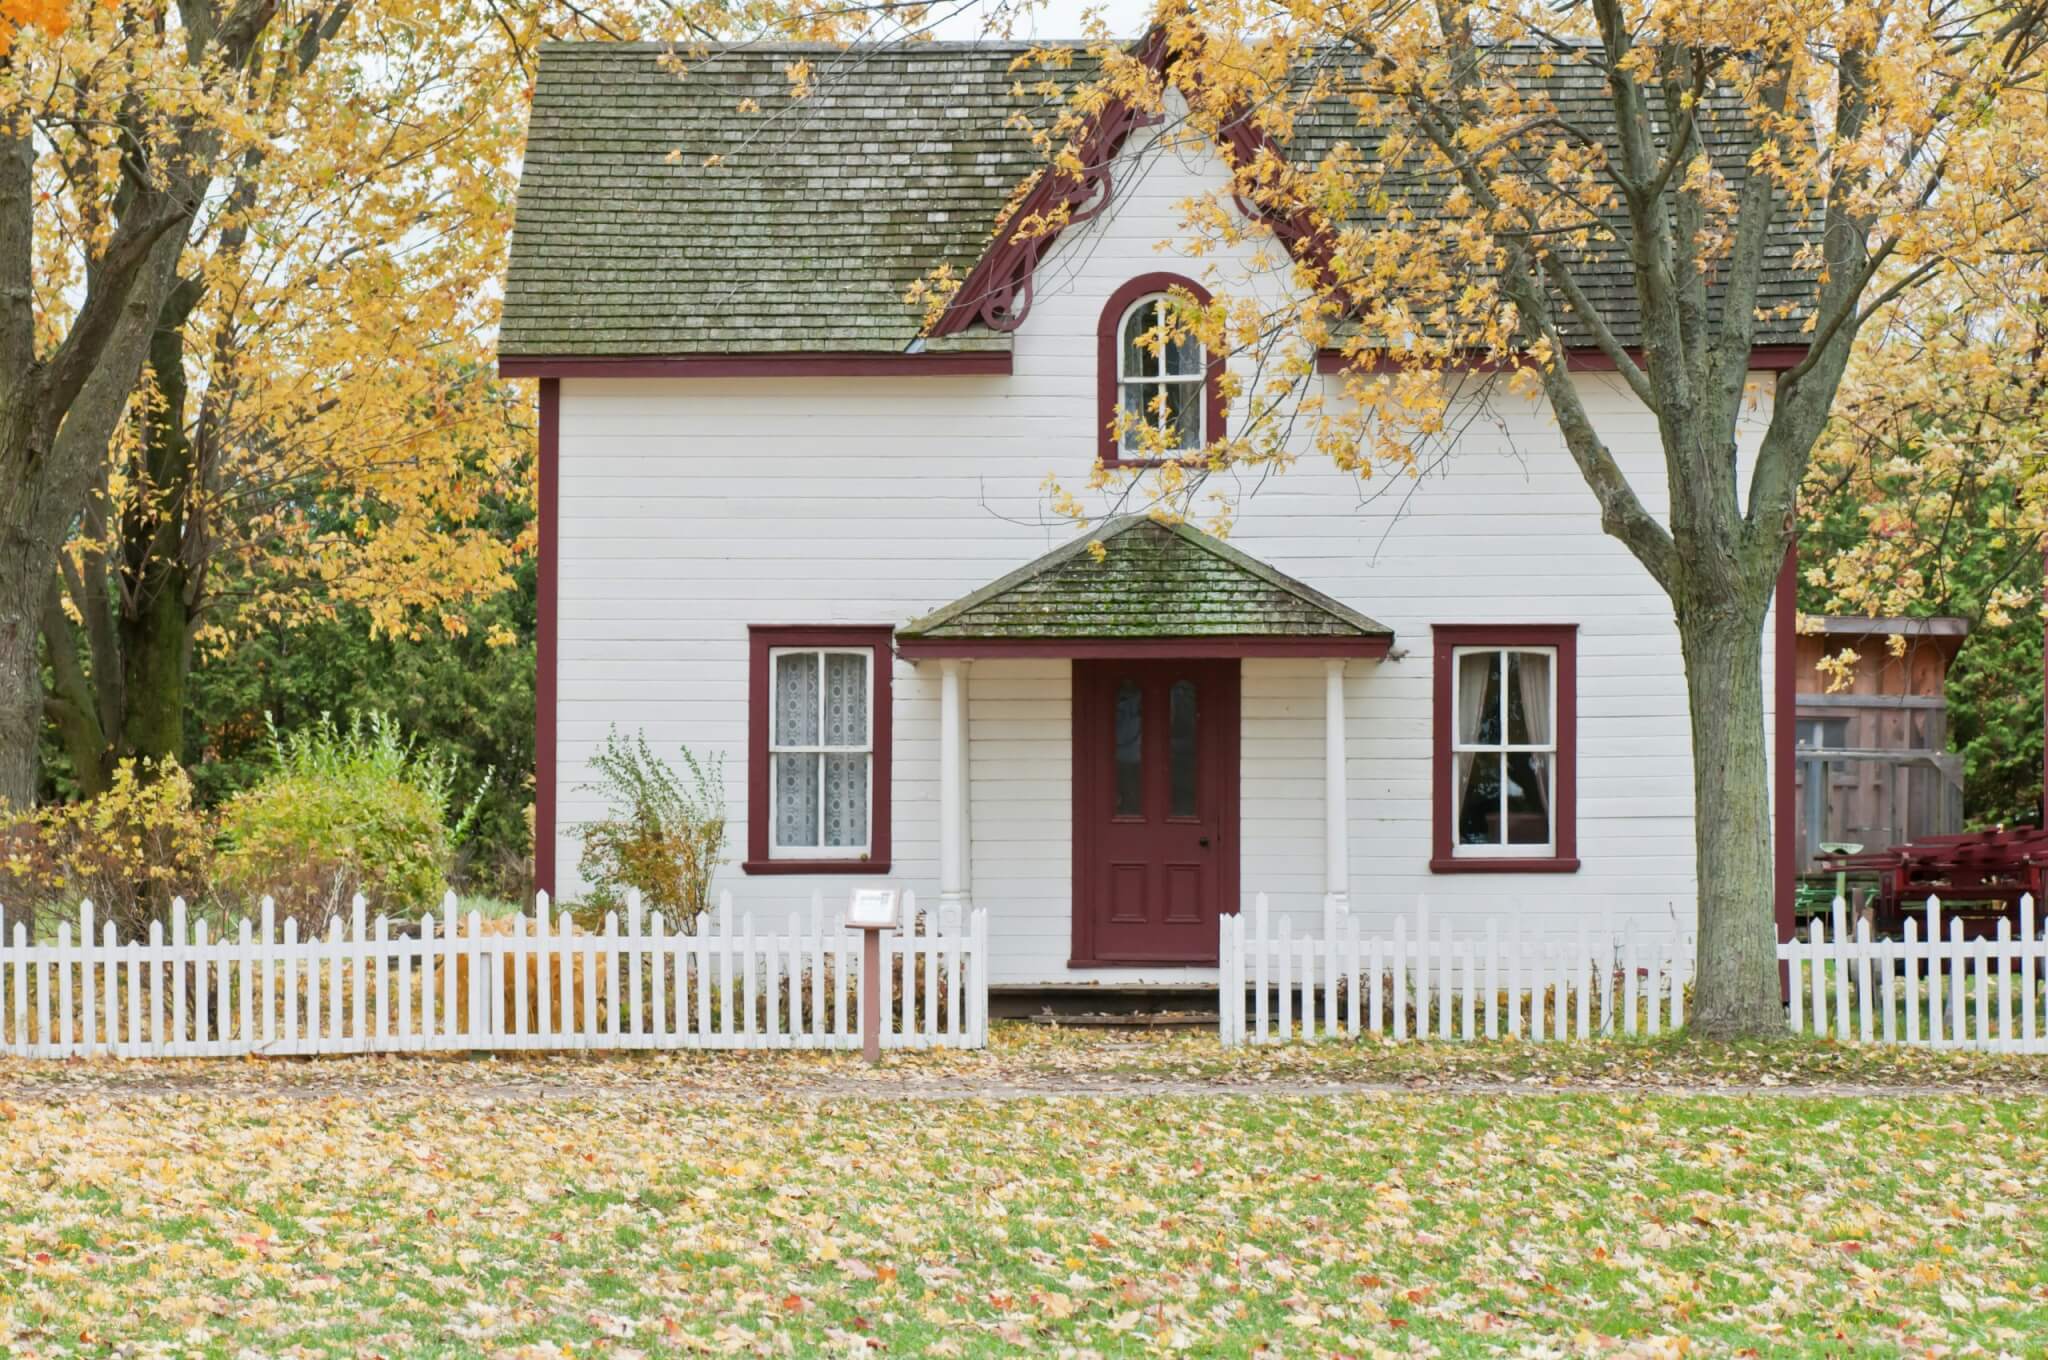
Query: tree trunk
[(25, 568), (1736, 988), (156, 605)]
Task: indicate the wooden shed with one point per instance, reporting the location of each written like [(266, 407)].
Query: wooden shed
[(1874, 768)]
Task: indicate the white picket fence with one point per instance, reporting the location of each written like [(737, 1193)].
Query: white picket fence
[(1275, 986), (1930, 988), (517, 983)]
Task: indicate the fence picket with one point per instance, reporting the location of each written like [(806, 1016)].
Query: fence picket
[(2030, 947)]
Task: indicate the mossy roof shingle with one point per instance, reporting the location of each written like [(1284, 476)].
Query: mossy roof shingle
[(1153, 580), (820, 212)]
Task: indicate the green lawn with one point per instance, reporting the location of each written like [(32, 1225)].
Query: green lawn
[(446, 1212)]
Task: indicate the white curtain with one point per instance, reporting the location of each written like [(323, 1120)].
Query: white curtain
[(1474, 670), (1532, 682), (796, 724), (846, 724)]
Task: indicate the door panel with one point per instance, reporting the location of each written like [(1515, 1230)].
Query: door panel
[(1155, 809)]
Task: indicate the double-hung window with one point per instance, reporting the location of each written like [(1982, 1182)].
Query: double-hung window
[(818, 767), (1159, 390), (1506, 720), (1163, 376)]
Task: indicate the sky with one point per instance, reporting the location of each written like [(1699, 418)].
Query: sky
[(1049, 19)]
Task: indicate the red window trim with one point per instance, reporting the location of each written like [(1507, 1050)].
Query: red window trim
[(1446, 638), (760, 639), (1108, 347)]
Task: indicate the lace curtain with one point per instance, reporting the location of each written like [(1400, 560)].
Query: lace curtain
[(821, 795)]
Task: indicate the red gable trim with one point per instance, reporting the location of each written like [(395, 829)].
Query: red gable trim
[(997, 292), (1762, 359), (883, 364)]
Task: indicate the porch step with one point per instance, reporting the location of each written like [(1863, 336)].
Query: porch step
[(1130, 1020)]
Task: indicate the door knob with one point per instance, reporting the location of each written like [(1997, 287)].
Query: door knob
[(1205, 842)]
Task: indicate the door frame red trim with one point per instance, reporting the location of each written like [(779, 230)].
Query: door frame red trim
[(1230, 727)]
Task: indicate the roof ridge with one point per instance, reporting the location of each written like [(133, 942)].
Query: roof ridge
[(596, 45)]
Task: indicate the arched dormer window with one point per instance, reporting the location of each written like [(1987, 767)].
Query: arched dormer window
[(1165, 381)]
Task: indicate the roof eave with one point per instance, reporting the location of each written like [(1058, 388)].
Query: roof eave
[(1196, 648)]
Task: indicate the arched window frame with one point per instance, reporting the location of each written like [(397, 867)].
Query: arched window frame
[(1109, 348)]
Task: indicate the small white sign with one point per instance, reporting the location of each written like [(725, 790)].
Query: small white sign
[(872, 909)]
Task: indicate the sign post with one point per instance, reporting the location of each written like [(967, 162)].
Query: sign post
[(871, 911)]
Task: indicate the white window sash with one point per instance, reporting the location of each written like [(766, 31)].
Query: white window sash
[(1505, 849), (1160, 377), (821, 851)]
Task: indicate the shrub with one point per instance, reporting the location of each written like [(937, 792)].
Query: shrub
[(131, 850), (661, 834), (343, 811)]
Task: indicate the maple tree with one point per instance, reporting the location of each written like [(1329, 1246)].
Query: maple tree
[(249, 254), (1929, 495), (145, 113), (1903, 143), (316, 423)]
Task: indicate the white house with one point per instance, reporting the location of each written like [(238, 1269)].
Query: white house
[(782, 522)]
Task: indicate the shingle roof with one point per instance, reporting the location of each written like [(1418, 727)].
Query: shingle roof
[(1154, 580), (822, 211), (1576, 88)]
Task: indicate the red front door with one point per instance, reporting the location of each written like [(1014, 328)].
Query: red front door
[(1155, 809)]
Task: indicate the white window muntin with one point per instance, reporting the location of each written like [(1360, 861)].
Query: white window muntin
[(1156, 374), (820, 749), (1505, 849)]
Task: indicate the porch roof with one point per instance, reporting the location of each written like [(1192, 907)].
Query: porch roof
[(1165, 589)]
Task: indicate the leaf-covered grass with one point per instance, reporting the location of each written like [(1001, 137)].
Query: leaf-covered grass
[(450, 1210)]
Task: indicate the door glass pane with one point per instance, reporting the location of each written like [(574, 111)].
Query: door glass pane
[(796, 800), (796, 699), (1180, 739), (1130, 750), (846, 699), (1528, 798)]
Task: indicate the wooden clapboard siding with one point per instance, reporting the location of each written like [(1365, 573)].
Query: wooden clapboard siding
[(691, 508)]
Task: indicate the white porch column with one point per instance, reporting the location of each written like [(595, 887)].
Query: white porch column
[(1336, 819), (953, 892)]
